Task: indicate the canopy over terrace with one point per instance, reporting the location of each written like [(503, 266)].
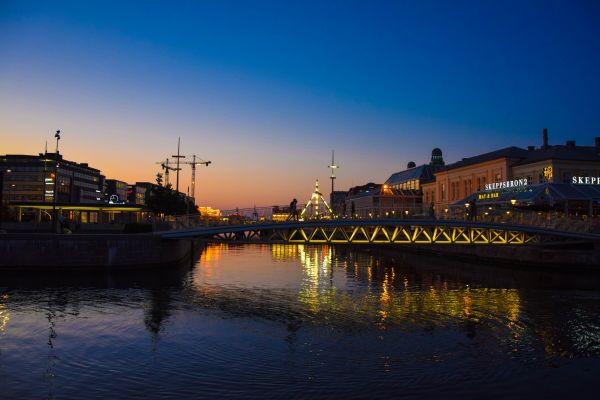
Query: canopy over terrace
[(83, 212), (566, 197)]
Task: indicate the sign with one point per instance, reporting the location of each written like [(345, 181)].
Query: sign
[(488, 196), (507, 184), (548, 173), (586, 180)]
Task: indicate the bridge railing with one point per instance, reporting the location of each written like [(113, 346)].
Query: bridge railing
[(560, 222)]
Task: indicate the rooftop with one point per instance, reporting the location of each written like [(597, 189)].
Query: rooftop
[(422, 172)]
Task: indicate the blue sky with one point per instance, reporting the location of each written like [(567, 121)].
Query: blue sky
[(267, 89)]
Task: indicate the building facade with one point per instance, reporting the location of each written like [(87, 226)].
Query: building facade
[(116, 191), (510, 167), (416, 178), (32, 179)]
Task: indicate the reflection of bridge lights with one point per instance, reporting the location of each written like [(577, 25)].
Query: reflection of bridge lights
[(316, 264), (284, 252)]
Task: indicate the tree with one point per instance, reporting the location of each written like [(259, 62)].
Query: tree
[(164, 200)]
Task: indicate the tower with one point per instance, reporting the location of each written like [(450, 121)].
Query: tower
[(333, 167), (311, 209)]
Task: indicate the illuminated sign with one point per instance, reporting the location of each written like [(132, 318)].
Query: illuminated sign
[(548, 173), (506, 184), (487, 196), (586, 180)]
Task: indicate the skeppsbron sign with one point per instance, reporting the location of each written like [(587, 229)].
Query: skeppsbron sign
[(585, 180), (515, 183)]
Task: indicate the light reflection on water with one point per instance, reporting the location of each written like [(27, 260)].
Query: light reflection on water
[(301, 321)]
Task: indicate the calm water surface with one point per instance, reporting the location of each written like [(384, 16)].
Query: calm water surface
[(293, 321)]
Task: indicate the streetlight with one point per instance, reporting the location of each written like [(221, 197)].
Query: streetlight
[(513, 203), (2, 172), (57, 136)]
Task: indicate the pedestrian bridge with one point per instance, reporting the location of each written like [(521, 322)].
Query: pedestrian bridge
[(381, 231)]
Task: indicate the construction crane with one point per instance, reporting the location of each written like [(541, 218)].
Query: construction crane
[(166, 167), (195, 161), (178, 157)]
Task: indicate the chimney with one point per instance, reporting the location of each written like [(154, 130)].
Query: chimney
[(545, 138), (597, 143), (530, 148), (570, 144)]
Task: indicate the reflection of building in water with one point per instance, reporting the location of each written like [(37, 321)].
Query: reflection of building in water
[(4, 314), (213, 252), (157, 311)]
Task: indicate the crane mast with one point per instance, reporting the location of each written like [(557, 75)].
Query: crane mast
[(196, 161), (166, 167)]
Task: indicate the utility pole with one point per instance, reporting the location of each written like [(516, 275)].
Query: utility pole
[(178, 156), (57, 136)]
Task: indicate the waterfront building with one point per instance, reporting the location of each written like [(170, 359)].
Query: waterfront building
[(116, 191), (28, 191), (32, 179), (413, 178), (136, 193), (380, 200), (209, 213), (469, 175), (516, 174), (337, 200)]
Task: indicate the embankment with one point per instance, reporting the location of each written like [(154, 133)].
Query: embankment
[(572, 256), (88, 251)]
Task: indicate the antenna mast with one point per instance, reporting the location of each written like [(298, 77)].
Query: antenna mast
[(333, 167)]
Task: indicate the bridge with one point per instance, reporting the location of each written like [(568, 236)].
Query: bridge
[(382, 231)]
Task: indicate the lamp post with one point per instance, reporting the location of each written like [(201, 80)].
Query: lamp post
[(57, 136), (513, 203), (2, 172)]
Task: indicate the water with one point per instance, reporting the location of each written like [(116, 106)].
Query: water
[(293, 321)]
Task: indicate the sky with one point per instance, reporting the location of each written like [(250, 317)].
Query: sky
[(266, 90)]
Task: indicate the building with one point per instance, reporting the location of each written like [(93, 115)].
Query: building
[(467, 176), (136, 194), (509, 170), (32, 178), (337, 200), (381, 201), (413, 178), (116, 191)]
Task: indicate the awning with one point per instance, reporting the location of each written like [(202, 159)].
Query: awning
[(567, 191), (543, 194)]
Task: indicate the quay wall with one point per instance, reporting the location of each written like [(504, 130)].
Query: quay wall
[(573, 256), (20, 251)]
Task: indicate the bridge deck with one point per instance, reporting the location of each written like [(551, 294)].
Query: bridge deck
[(381, 231)]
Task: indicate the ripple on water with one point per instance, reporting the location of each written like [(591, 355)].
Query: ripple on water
[(327, 323)]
